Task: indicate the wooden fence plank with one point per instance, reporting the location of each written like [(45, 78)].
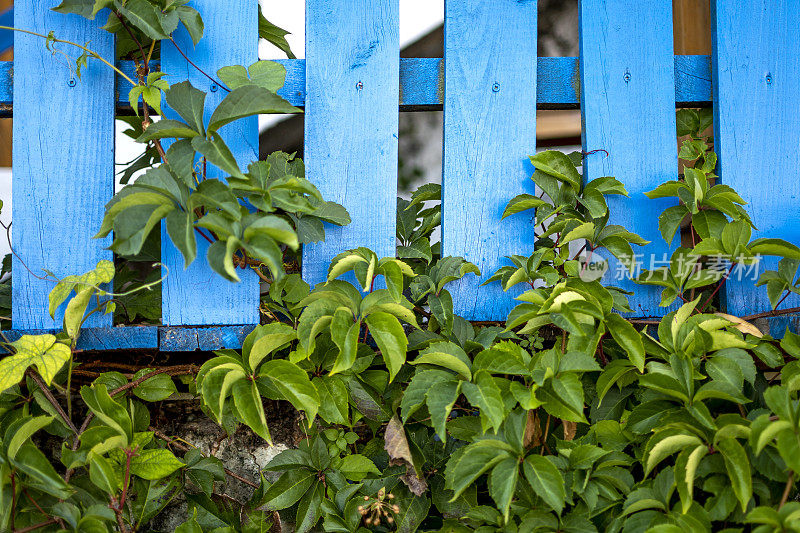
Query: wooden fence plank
[(756, 64), (489, 132), (627, 95), (198, 295), (63, 171), (422, 84), (352, 90)]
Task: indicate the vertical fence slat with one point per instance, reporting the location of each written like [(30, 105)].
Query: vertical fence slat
[(63, 168), (756, 73), (628, 109), (351, 122), (197, 295), (489, 132)]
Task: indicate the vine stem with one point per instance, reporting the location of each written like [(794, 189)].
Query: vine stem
[(766, 314), (50, 398), (721, 283), (89, 51), (787, 489), (34, 527), (203, 72)]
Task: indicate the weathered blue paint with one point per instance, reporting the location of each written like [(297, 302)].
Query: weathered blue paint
[(103, 339), (63, 170), (202, 339), (756, 63), (352, 91), (420, 83), (489, 130), (6, 36), (627, 94), (197, 295), (163, 338)]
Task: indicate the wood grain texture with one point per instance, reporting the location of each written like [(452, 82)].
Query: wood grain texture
[(421, 83), (198, 295), (351, 122), (489, 132), (756, 64), (627, 97), (63, 171)]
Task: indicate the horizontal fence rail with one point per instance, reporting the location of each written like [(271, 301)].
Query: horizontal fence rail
[(626, 82), (422, 83)]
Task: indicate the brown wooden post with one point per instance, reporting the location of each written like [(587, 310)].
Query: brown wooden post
[(692, 27)]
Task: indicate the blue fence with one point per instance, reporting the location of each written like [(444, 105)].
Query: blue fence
[(627, 83)]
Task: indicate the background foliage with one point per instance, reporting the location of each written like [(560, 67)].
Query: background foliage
[(567, 417)]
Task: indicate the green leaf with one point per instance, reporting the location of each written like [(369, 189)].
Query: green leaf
[(103, 475), (476, 459), (157, 388), (522, 202), (391, 339), (180, 228), (503, 484), (42, 351), (247, 101), (486, 396), (267, 74), (192, 21), (664, 443), (190, 526), (562, 397), (145, 16), (268, 339), (440, 400), (154, 464), (310, 508), (167, 129), (107, 410), (546, 481), (220, 258), (737, 464), (217, 153), (294, 385), (670, 220), (356, 467), (333, 395), (250, 407), (776, 247), (628, 338), (685, 470), (437, 354), (189, 103), (289, 488), (23, 430), (412, 513), (32, 462), (558, 165), (273, 34)]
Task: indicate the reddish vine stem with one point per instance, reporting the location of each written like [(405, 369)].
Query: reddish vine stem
[(721, 283), (34, 527), (192, 63), (127, 479)]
